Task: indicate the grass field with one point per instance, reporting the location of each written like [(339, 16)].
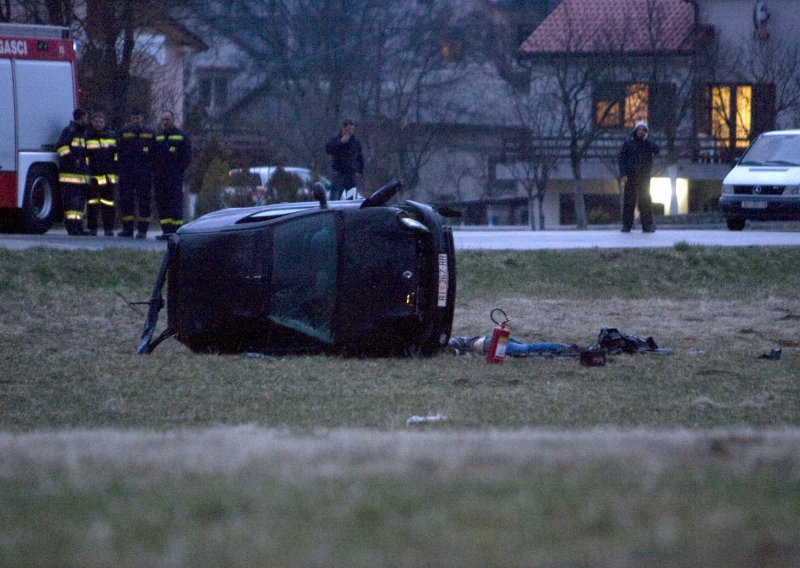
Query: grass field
[(181, 459)]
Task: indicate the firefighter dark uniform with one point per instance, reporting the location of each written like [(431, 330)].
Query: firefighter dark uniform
[(73, 174), (173, 152), (135, 178), (101, 149)]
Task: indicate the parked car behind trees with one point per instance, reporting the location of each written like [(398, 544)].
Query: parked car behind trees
[(262, 185)]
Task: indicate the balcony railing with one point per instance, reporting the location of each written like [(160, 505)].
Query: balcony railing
[(699, 149)]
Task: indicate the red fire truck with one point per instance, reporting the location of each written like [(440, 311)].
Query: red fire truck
[(38, 92)]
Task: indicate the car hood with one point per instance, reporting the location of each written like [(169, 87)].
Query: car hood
[(763, 175)]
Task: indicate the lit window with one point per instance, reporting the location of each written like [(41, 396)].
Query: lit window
[(452, 50), (731, 115), (637, 97), (212, 90), (607, 113), (621, 105), (744, 103)]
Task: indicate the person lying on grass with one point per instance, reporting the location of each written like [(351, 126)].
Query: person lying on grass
[(480, 344)]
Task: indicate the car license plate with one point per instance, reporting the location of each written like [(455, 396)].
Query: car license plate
[(443, 281), (754, 204)]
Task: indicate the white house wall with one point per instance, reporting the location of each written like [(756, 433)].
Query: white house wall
[(733, 19)]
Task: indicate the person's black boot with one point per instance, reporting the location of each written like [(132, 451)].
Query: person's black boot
[(127, 229)]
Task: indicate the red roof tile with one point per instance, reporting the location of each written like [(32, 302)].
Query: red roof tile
[(591, 26)]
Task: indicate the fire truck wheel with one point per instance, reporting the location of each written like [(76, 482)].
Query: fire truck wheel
[(39, 201)]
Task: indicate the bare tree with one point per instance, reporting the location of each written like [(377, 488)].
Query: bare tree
[(113, 53), (773, 65), (537, 154), (568, 79), (54, 12), (119, 44), (388, 65)]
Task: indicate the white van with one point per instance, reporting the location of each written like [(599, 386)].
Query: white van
[(764, 184)]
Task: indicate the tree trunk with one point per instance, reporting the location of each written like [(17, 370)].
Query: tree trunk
[(580, 205), (531, 216), (541, 212)]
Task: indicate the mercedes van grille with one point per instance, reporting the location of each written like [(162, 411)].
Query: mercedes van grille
[(758, 189)]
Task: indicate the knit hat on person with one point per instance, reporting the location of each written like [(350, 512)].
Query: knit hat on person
[(641, 124)]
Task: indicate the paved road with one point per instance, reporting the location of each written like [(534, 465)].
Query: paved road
[(58, 238), (475, 239), (573, 239)]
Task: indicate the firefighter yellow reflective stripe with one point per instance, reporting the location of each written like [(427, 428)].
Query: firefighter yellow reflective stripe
[(107, 202), (146, 135), (73, 215), (63, 150), (104, 179), (78, 142), (126, 218), (129, 135), (95, 143), (176, 137), (93, 201), (160, 137), (65, 177)]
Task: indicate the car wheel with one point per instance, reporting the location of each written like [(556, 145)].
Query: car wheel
[(39, 200), (736, 223)]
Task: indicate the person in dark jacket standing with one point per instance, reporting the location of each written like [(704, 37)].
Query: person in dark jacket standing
[(101, 151), (135, 176), (172, 155), (635, 165), (73, 172), (347, 159)]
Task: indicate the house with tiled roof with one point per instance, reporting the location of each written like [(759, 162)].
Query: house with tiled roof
[(707, 75), (632, 26)]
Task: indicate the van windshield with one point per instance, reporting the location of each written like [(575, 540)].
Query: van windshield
[(773, 149)]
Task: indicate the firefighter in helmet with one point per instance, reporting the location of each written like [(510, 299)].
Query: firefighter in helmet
[(73, 172), (101, 149), (172, 155), (135, 176)]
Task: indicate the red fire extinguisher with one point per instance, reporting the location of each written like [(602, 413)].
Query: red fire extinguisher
[(500, 335)]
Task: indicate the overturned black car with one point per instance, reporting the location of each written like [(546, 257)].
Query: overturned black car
[(352, 277)]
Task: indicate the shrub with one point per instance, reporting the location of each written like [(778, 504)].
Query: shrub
[(283, 186), (215, 180)]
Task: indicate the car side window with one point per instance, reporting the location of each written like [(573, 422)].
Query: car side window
[(303, 285)]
